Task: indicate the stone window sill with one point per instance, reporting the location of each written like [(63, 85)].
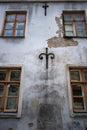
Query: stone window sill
[(12, 37), (9, 115), (79, 115)]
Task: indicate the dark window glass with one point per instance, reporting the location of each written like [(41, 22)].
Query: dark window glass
[(76, 90), (15, 75), (75, 75), (2, 75), (78, 103)]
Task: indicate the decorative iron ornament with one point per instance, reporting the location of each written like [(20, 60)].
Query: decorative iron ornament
[(45, 8), (52, 56)]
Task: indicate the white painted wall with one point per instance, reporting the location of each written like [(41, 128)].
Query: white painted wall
[(35, 77)]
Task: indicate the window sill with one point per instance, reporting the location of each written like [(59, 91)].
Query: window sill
[(74, 37), (12, 36), (9, 115), (79, 115)]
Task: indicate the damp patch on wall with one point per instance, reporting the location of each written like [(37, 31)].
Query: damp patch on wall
[(60, 41), (49, 117)]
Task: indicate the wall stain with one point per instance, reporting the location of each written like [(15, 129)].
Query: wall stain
[(49, 117), (60, 41)]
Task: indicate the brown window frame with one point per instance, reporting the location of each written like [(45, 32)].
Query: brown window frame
[(15, 21), (83, 84), (7, 82), (74, 23)]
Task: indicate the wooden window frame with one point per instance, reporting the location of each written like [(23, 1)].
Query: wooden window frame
[(7, 82), (14, 22), (74, 21), (83, 84)]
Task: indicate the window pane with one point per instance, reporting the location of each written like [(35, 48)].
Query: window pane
[(67, 33), (9, 25), (79, 16), (13, 90), (2, 75), (11, 103), (69, 27), (21, 17), (19, 32), (1, 89), (15, 76), (80, 25), (8, 33), (11, 17), (76, 90), (19, 25), (85, 73), (68, 17), (81, 33), (78, 103), (75, 75), (0, 102)]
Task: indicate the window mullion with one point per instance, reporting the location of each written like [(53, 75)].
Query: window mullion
[(4, 97), (14, 26), (6, 88), (85, 96), (75, 29)]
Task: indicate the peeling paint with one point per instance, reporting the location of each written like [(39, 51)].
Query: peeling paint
[(60, 26), (60, 41)]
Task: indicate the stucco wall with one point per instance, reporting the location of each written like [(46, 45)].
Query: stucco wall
[(43, 91)]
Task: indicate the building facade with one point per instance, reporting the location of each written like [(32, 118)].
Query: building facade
[(43, 65)]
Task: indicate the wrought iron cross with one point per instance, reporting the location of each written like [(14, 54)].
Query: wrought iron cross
[(52, 56), (45, 8)]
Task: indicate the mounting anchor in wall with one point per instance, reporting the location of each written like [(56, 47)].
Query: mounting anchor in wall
[(45, 8), (52, 56)]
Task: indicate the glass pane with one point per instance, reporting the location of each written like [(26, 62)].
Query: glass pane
[(21, 17), (2, 75), (75, 75), (80, 25), (68, 17), (19, 32), (78, 103), (81, 33), (15, 76), (79, 16), (69, 27), (9, 25), (85, 73), (10, 17), (8, 33), (19, 25), (13, 90), (76, 90), (68, 33), (11, 103), (1, 89), (0, 102)]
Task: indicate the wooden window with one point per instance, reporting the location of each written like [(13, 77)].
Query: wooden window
[(9, 88), (14, 25), (74, 24), (78, 81)]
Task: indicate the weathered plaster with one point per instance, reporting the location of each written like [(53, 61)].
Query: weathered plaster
[(60, 41), (41, 87)]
